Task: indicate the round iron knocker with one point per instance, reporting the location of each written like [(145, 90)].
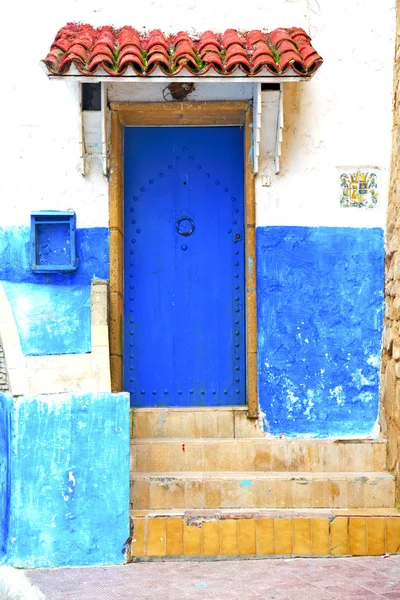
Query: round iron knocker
[(185, 225)]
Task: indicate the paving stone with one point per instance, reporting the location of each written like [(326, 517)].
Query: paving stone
[(366, 578)]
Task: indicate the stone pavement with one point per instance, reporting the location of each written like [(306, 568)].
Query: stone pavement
[(365, 578)]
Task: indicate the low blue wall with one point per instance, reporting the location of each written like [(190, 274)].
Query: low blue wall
[(69, 475), (4, 473), (52, 311), (320, 310)]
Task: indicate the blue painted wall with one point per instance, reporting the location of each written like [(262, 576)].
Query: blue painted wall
[(320, 310), (69, 480), (4, 473), (52, 319), (52, 311)]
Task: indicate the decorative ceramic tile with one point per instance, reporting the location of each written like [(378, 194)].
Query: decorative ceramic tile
[(359, 188)]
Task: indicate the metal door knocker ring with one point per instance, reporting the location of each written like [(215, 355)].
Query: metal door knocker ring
[(185, 225)]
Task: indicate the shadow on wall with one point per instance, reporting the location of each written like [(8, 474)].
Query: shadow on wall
[(293, 96), (302, 134)]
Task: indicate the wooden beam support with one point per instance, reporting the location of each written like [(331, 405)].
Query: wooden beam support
[(250, 277)]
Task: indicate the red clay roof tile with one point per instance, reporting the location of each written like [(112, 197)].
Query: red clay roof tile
[(102, 48), (267, 61), (286, 59), (158, 49), (208, 37), (128, 35), (230, 37), (183, 36), (255, 36), (184, 47), (131, 59), (212, 59), (125, 50), (260, 49), (209, 48), (98, 59)]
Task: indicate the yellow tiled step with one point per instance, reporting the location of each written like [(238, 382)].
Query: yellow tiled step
[(356, 532), (194, 422), (268, 454), (261, 490)]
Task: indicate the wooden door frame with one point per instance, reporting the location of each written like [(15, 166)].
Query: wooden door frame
[(125, 114)]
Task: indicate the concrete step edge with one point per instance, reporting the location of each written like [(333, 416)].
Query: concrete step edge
[(363, 477), (326, 441), (191, 409), (251, 513)]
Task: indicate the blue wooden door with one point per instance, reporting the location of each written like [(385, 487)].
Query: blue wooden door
[(184, 266)]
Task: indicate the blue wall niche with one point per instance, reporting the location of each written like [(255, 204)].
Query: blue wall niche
[(53, 241), (320, 309)]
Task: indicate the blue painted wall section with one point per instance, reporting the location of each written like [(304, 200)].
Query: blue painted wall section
[(52, 319), (320, 310), (70, 480), (52, 311), (4, 472)]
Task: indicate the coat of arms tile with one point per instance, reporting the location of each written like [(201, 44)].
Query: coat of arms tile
[(359, 188)]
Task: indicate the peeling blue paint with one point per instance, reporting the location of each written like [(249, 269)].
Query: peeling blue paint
[(250, 266), (320, 310), (53, 319), (4, 473), (70, 480), (52, 310)]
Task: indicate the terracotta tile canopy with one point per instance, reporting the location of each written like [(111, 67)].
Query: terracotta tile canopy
[(125, 51)]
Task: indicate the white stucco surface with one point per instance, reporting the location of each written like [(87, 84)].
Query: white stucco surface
[(341, 118)]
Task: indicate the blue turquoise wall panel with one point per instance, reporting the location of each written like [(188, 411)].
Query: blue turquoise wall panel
[(52, 310), (184, 266), (5, 488), (51, 319), (92, 246), (320, 310), (70, 480)]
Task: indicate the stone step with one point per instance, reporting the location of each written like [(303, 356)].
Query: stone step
[(268, 454), (265, 533), (194, 422), (209, 490)]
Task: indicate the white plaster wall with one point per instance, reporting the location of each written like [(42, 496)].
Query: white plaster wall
[(342, 117)]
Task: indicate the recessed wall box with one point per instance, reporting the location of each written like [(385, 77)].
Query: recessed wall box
[(53, 244)]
